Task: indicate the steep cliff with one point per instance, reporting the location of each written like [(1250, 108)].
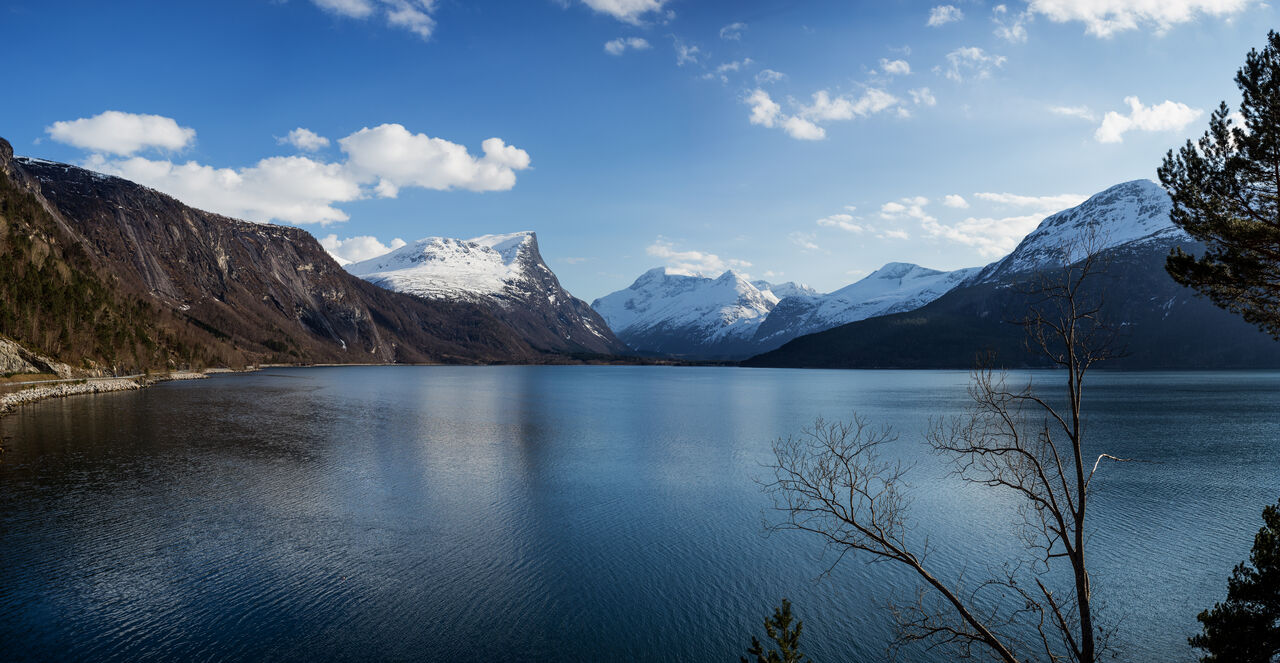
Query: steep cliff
[(97, 270)]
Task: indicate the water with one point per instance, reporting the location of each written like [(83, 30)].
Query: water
[(558, 513)]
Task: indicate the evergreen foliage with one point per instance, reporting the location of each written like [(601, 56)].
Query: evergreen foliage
[(779, 630), (1226, 193), (1246, 628), (54, 301)]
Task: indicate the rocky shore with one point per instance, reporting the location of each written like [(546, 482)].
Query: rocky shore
[(35, 393)]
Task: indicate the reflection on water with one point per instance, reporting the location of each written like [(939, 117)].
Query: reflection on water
[(555, 513)]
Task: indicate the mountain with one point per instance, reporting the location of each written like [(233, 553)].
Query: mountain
[(730, 317), (1162, 325), (505, 275), (100, 272), (783, 290), (898, 286), (1133, 214), (678, 314)]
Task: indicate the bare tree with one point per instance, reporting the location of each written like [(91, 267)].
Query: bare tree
[(836, 481)]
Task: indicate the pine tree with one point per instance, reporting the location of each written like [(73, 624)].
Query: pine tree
[(778, 628), (1246, 628), (1226, 193)]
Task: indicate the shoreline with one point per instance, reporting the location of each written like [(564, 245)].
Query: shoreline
[(11, 401)]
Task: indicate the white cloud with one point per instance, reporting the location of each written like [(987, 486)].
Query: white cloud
[(691, 263), (114, 132), (802, 129), (906, 207), (304, 139), (824, 107), (1081, 112), (944, 14), (1010, 26), (355, 249), (1105, 18), (1166, 116), (628, 11), (300, 189), (1046, 204), (733, 31), (806, 241), (844, 222), (767, 76), (992, 237), (722, 70), (393, 157), (895, 67), (955, 201), (685, 54), (804, 124), (764, 110), (411, 15), (620, 45), (922, 97), (971, 62), (293, 189), (351, 8)]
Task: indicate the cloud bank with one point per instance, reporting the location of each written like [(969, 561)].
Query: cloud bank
[(295, 189)]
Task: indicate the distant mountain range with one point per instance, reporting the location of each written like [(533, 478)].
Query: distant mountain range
[(1162, 324), (729, 317), (507, 276), (904, 315)]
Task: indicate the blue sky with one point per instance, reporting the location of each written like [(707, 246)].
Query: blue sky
[(810, 141)]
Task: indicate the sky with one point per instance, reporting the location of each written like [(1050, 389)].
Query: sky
[(809, 141)]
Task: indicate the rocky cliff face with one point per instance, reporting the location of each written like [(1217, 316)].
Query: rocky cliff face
[(212, 289), (504, 274)]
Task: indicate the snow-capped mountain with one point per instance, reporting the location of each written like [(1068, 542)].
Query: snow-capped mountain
[(896, 287), (661, 312), (1161, 324), (679, 314), (1129, 214), (504, 272), (784, 290), (729, 317)]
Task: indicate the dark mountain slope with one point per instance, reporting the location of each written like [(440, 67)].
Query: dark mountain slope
[(1163, 326), (146, 281)]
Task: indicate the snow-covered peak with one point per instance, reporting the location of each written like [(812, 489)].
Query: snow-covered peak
[(726, 305), (443, 267), (507, 245), (784, 290), (1132, 212)]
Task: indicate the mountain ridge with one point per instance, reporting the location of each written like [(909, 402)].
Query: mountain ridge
[(504, 273), (115, 273), (1162, 324)]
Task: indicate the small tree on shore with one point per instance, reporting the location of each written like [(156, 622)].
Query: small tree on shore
[(833, 480), (778, 628), (1246, 627)]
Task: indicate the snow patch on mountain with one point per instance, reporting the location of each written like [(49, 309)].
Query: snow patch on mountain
[(708, 309), (894, 288), (505, 273), (447, 268), (1132, 213)]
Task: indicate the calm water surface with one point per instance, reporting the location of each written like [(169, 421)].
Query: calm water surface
[(557, 513)]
